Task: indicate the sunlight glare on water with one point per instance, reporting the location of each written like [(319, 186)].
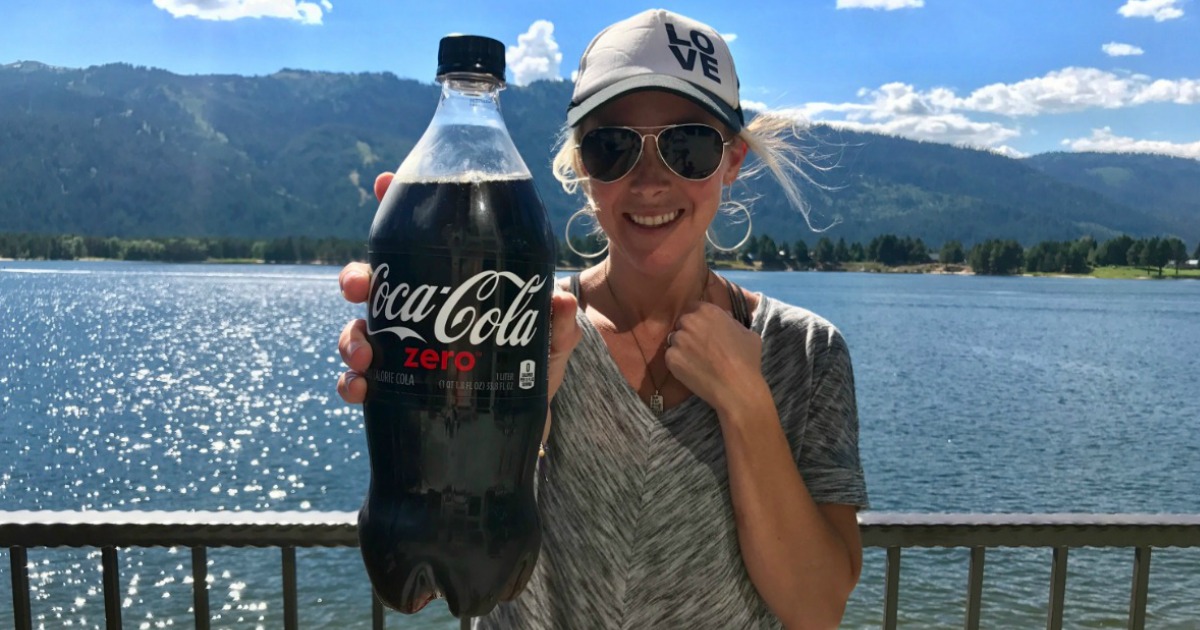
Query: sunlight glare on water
[(187, 387)]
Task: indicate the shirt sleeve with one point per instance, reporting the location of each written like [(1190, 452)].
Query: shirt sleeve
[(828, 456)]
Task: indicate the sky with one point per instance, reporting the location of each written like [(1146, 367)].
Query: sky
[(1019, 77)]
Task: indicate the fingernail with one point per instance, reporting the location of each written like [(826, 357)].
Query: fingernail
[(342, 280), (354, 347)]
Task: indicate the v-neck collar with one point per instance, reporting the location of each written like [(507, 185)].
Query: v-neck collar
[(610, 365)]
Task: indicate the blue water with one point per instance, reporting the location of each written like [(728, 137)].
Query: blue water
[(148, 387)]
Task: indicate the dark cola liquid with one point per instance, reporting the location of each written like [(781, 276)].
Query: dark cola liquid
[(458, 317)]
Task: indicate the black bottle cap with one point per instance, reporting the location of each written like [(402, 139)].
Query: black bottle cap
[(471, 53)]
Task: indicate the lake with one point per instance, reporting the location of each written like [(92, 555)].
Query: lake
[(128, 386)]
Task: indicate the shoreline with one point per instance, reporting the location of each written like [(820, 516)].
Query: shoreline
[(933, 269)]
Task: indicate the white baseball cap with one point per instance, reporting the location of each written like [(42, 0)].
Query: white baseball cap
[(658, 50)]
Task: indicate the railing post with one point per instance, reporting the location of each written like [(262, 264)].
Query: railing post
[(891, 589), (974, 588), (18, 561), (291, 620), (112, 588), (200, 587), (377, 619), (1141, 584), (1058, 589)]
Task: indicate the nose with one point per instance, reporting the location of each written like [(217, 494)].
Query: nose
[(650, 174)]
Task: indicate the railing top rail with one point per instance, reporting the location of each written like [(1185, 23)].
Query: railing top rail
[(338, 529), (178, 528), (894, 529), (1007, 519)]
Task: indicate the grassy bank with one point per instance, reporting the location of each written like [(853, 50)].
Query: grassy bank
[(1134, 273)]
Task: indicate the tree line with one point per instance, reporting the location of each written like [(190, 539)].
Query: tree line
[(181, 250), (991, 257), (996, 257)]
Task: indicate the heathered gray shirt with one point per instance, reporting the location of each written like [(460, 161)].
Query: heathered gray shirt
[(637, 520)]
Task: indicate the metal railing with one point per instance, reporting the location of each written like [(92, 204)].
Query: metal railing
[(110, 531)]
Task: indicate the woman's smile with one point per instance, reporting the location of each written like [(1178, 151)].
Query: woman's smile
[(655, 220)]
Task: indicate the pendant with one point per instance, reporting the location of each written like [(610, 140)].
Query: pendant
[(656, 403)]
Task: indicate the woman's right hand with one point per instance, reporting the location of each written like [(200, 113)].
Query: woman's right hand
[(355, 282)]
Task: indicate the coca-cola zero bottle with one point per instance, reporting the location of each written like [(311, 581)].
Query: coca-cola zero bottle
[(462, 269)]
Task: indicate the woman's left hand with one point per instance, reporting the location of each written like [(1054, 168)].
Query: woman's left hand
[(714, 356)]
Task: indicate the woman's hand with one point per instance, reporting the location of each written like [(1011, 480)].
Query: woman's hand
[(715, 357), (355, 281), (564, 336)]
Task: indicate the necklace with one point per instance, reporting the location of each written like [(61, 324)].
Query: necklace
[(656, 399)]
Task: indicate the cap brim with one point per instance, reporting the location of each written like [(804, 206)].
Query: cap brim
[(713, 104)]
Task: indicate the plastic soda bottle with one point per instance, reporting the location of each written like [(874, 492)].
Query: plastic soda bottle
[(462, 268)]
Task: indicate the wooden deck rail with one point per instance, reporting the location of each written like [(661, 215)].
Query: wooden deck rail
[(200, 531)]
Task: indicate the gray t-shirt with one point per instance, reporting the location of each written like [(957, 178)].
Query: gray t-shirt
[(637, 521)]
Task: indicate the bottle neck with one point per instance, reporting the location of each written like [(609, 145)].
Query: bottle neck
[(467, 137), (470, 96)]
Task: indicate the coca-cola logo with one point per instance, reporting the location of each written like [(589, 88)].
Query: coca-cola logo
[(460, 314)]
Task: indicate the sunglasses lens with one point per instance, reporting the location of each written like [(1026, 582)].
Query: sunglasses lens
[(692, 151), (608, 153)]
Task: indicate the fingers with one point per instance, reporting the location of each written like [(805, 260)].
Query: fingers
[(352, 345), (355, 281), (705, 329), (352, 387), (356, 354), (382, 181), (565, 332)]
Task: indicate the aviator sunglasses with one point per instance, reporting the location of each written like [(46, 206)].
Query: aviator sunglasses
[(692, 150)]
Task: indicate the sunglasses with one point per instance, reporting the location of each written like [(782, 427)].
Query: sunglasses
[(692, 151)]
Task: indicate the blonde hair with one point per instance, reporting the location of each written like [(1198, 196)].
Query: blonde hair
[(772, 138)]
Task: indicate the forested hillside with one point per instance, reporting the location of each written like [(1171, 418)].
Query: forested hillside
[(125, 151), (1164, 187)]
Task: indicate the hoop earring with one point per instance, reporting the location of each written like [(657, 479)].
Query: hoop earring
[(736, 206), (567, 235)]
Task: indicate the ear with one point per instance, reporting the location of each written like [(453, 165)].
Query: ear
[(737, 157)]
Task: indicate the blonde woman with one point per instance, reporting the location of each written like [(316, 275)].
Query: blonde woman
[(701, 467)]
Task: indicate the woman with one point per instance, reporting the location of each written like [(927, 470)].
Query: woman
[(701, 465)]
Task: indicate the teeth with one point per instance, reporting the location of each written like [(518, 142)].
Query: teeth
[(655, 221)]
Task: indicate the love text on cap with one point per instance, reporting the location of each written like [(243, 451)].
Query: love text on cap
[(698, 45)]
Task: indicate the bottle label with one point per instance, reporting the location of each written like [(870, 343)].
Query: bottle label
[(454, 326)]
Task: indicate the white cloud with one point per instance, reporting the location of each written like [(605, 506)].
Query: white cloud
[(1008, 151), (303, 12), (1071, 90), (1160, 10), (953, 129), (887, 5), (1103, 140), (757, 106), (984, 117), (1066, 90), (1181, 92), (729, 37), (1113, 49), (536, 55)]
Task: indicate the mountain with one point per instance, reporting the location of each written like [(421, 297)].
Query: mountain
[(118, 150), (878, 184), (1167, 188)]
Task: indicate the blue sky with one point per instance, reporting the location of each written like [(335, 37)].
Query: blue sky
[(1015, 76)]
